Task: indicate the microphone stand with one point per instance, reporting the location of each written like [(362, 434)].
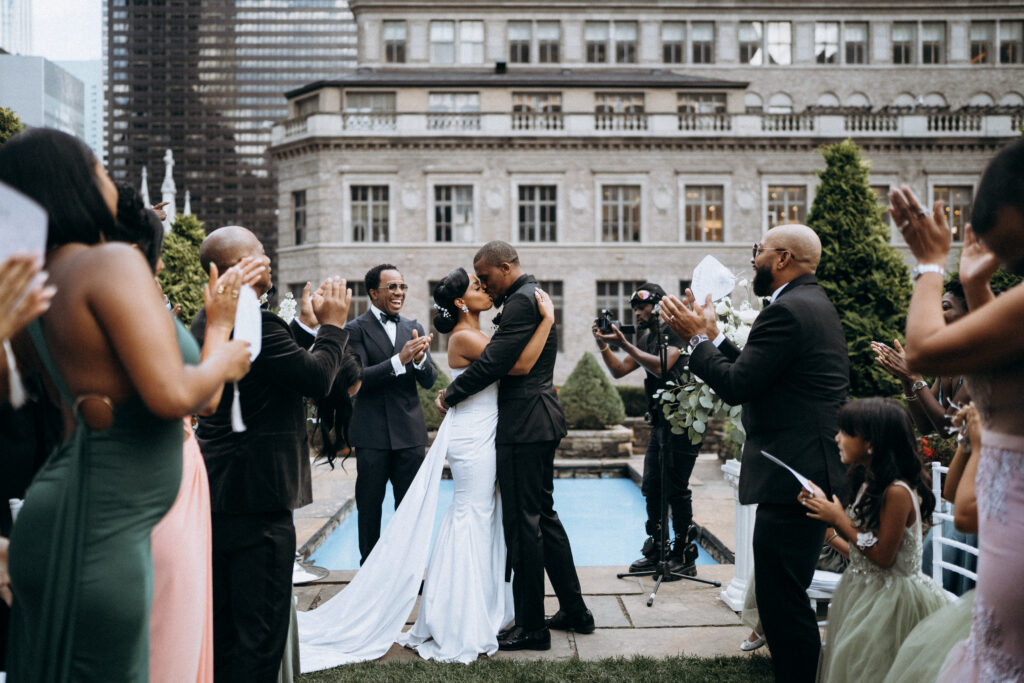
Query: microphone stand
[(661, 571)]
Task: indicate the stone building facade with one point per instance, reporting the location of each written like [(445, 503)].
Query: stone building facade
[(614, 145)]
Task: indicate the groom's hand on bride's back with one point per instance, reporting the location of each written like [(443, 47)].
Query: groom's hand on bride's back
[(440, 403), (331, 302)]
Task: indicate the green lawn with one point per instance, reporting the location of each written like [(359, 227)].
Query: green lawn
[(682, 669)]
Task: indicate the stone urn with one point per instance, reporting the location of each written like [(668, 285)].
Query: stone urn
[(736, 590)]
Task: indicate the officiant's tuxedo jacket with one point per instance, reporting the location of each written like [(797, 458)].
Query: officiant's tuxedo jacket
[(387, 414), (528, 407), (266, 467), (791, 377)]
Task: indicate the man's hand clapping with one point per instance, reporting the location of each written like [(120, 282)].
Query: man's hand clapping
[(414, 349), (330, 303), (688, 318)]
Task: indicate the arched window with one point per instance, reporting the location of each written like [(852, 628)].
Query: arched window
[(780, 103), (753, 103), (827, 99), (858, 99)]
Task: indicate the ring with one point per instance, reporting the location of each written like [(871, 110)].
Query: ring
[(220, 289), (904, 225), (922, 213), (234, 293)]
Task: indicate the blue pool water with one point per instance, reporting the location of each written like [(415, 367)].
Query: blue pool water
[(603, 517)]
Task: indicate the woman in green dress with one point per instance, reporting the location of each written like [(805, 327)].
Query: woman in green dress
[(80, 562)]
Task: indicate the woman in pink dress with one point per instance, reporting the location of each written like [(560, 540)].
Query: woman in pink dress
[(988, 346)]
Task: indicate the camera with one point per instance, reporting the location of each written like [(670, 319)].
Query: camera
[(605, 322)]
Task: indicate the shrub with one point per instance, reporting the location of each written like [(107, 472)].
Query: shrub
[(634, 400), (183, 278), (10, 124), (427, 396), (589, 399), (865, 278)]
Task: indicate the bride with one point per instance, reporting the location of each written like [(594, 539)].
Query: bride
[(465, 600)]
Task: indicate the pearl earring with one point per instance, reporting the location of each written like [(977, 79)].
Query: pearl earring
[(871, 451)]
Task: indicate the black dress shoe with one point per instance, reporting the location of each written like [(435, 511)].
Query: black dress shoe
[(581, 622), (521, 639), (506, 632)]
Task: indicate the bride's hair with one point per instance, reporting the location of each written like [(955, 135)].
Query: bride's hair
[(453, 286)]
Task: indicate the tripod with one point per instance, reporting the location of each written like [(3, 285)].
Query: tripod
[(661, 570)]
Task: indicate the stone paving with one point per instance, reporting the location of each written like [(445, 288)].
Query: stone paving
[(686, 617)]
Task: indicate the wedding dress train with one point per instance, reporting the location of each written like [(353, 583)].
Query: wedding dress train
[(465, 598)]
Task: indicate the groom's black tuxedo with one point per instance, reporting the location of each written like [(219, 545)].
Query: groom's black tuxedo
[(387, 429), (791, 378), (530, 425)]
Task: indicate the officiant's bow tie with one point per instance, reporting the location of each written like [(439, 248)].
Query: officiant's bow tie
[(385, 317)]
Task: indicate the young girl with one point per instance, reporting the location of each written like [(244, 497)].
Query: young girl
[(883, 593)]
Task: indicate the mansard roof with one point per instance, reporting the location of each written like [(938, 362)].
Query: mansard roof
[(365, 77)]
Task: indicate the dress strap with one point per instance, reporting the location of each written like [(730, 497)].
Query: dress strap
[(35, 330), (917, 505)]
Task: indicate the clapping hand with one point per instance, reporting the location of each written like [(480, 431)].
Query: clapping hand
[(415, 348), (688, 318), (927, 234), (977, 263), (220, 296), (330, 302), (893, 360)]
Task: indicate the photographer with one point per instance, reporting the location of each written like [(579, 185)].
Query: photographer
[(680, 452)]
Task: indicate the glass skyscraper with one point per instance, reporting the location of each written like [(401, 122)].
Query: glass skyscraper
[(206, 79)]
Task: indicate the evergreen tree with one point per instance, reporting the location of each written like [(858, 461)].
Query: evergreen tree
[(864, 277), (10, 124), (427, 396), (589, 399), (183, 278)]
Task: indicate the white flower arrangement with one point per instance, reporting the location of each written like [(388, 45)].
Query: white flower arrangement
[(287, 309), (690, 404)]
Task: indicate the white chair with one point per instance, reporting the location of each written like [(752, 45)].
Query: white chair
[(943, 512)]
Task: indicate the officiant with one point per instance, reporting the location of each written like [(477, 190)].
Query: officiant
[(680, 453)]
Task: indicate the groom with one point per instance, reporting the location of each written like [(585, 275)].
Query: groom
[(530, 425)]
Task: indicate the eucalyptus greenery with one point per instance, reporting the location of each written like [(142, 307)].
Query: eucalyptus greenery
[(690, 404)]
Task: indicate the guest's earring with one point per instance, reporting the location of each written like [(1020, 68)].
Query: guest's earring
[(871, 451)]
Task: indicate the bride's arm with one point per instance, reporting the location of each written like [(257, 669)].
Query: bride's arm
[(535, 346)]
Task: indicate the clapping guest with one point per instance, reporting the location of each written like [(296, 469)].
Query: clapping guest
[(932, 409), (80, 551), (988, 345)]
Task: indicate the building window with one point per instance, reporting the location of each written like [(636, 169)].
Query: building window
[(439, 343), (370, 110), (299, 216), (360, 298), (625, 42), (620, 213), (619, 111), (702, 42), (613, 296), (903, 42), (538, 213), (454, 111), (704, 205), (394, 42), (549, 37), (1011, 42), (595, 33), (933, 42), (855, 42), (982, 36), (453, 213), (673, 42), (826, 42), (442, 42), (520, 35), (305, 106), (882, 195), (751, 40), (536, 110), (958, 200), (786, 204), (700, 103), (554, 291), (369, 213), (471, 42), (780, 42)]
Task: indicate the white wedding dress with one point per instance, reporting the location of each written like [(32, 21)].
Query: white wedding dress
[(465, 599)]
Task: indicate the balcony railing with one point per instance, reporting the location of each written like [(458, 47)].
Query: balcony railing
[(826, 125)]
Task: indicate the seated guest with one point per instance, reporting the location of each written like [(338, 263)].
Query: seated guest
[(260, 475)]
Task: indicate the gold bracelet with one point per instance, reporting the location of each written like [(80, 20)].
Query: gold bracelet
[(828, 541), (602, 349)]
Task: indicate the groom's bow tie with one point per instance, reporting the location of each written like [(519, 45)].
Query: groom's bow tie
[(385, 317)]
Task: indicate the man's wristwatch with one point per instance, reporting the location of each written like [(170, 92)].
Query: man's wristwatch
[(697, 339), (918, 386), (922, 268)]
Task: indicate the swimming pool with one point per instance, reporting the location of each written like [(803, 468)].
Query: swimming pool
[(603, 517)]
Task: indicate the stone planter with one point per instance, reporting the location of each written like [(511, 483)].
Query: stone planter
[(736, 590), (641, 433), (614, 442)]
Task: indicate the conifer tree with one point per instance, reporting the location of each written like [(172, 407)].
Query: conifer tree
[(865, 278), (183, 278), (588, 397), (10, 124)]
